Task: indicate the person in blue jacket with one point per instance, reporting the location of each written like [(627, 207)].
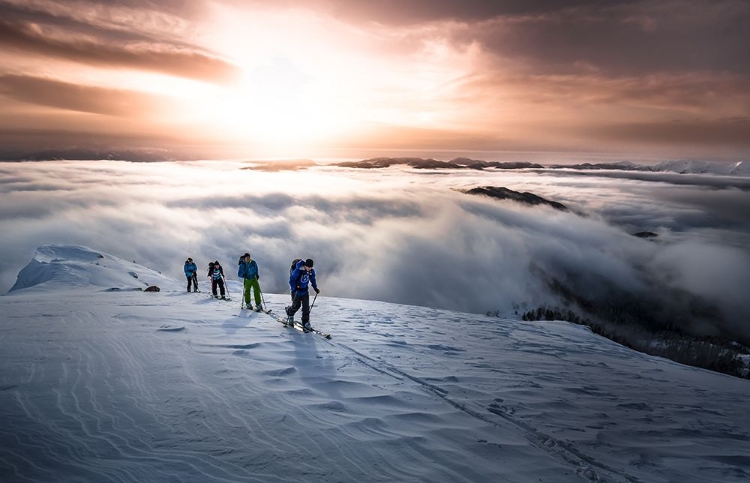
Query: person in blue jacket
[(248, 270), (302, 275), (191, 272)]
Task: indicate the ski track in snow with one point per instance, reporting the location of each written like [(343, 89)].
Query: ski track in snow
[(169, 386), (587, 415)]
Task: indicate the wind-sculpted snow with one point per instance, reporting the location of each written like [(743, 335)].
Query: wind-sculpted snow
[(64, 266), (174, 386)]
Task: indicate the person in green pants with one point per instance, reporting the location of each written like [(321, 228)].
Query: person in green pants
[(248, 270)]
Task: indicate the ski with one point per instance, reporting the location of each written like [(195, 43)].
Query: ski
[(300, 328), (255, 310), (324, 335), (225, 299)]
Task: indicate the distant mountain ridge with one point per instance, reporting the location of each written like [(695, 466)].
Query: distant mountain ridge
[(738, 168), (88, 154), (429, 163), (282, 165)]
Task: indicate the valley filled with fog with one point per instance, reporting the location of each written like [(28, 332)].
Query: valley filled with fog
[(410, 236)]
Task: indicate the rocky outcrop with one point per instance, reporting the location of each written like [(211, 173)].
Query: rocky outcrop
[(502, 193)]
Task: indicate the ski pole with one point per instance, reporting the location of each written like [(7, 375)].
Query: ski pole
[(244, 291), (313, 304), (262, 298)]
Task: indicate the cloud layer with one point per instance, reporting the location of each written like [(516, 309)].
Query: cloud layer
[(397, 236)]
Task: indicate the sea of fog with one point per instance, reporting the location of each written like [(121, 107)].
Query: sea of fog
[(399, 234)]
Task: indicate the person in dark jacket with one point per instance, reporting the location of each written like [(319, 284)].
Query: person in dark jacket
[(191, 272), (216, 275), (248, 270), (302, 276)]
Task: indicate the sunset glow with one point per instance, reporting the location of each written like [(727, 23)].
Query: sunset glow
[(261, 78)]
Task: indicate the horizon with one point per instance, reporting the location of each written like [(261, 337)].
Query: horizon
[(625, 80), (546, 158)]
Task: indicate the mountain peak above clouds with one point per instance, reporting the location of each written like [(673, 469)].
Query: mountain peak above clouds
[(502, 193), (740, 168), (60, 267)]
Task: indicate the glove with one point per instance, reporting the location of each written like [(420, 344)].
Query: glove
[(257, 277), (317, 291)]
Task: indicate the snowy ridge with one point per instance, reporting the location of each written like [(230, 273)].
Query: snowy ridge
[(175, 386), (719, 168), (739, 168), (64, 266)]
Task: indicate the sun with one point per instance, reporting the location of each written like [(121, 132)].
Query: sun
[(275, 103)]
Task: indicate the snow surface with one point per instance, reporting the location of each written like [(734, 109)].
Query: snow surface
[(71, 266), (739, 168), (100, 385)]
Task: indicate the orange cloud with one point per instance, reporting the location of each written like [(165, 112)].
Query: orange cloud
[(178, 61)]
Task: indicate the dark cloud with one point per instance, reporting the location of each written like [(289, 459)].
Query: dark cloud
[(75, 97), (158, 57), (565, 36), (616, 37), (17, 142), (395, 12), (697, 93), (715, 132)]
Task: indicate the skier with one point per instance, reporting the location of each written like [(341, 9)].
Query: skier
[(191, 272), (248, 270), (302, 274), (216, 274)]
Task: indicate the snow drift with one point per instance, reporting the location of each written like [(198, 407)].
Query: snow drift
[(68, 266), (176, 386)]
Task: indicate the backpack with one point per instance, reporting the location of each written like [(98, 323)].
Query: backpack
[(294, 265)]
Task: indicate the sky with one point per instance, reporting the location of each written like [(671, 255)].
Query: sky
[(353, 78), (405, 236)]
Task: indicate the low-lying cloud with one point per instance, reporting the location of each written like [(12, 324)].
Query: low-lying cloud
[(395, 235)]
